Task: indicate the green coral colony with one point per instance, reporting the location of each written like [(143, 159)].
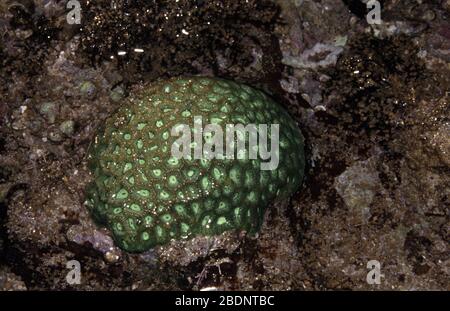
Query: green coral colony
[(147, 197)]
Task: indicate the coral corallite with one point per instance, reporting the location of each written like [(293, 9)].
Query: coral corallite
[(146, 196)]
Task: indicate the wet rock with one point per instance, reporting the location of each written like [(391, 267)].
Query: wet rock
[(381, 108), (358, 186), (321, 55), (99, 240)]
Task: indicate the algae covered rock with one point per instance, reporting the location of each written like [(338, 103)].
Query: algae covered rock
[(165, 168)]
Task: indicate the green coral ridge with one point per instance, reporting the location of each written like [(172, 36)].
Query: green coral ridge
[(147, 197)]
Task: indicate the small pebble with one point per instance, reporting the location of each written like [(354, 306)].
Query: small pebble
[(49, 111), (117, 94), (55, 136), (111, 257), (88, 89), (67, 127), (429, 16), (34, 125)]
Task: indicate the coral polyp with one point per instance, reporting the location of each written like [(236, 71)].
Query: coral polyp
[(147, 196)]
